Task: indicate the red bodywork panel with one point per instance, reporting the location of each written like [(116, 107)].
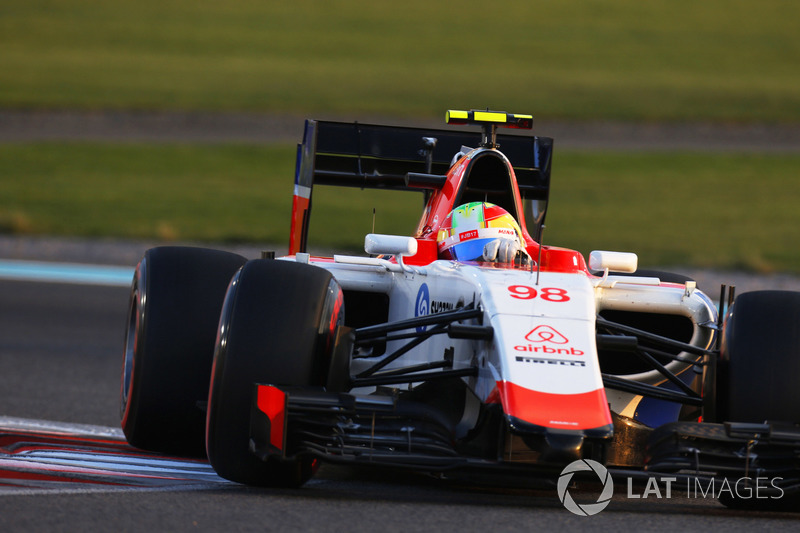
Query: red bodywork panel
[(272, 402), (542, 409)]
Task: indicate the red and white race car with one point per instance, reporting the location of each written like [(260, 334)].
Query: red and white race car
[(466, 349)]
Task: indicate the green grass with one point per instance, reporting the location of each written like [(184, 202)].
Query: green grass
[(232, 193), (708, 210), (727, 60), (687, 209)]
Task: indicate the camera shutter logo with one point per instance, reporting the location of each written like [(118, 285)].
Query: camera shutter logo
[(585, 509)]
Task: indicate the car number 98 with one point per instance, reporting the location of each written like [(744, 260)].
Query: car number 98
[(548, 294)]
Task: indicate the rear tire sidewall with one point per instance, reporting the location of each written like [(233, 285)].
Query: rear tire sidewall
[(277, 327), (175, 302)]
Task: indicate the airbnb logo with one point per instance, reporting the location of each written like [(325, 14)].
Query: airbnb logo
[(548, 350), (546, 334)]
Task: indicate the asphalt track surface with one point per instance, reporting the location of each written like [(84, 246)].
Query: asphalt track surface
[(60, 353)]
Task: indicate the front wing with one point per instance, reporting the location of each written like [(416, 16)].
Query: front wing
[(392, 430)]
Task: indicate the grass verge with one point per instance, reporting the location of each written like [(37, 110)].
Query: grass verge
[(691, 209), (577, 59)]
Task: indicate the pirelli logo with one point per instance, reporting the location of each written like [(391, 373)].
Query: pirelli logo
[(544, 361)]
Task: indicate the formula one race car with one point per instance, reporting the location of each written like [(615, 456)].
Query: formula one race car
[(468, 349)]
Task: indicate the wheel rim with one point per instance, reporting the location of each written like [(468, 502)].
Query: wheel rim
[(135, 311)]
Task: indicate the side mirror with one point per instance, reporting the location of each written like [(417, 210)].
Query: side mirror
[(377, 244), (613, 261)]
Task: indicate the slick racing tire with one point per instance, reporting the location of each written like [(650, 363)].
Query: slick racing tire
[(758, 374), (175, 303), (759, 367), (277, 327)]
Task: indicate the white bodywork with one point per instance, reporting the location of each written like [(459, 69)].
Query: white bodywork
[(544, 324)]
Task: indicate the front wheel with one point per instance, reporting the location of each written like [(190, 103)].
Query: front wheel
[(759, 367), (277, 327), (759, 371)]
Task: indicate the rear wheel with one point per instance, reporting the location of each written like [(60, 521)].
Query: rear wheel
[(176, 298), (760, 362), (277, 327)]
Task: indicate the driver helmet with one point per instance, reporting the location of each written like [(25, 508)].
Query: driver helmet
[(469, 227)]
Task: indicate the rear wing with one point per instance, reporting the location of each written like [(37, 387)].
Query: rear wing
[(374, 156)]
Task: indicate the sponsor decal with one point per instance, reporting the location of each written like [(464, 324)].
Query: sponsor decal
[(547, 349), (422, 304), (460, 170), (467, 235), (425, 306), (544, 335), (543, 361), (441, 307)]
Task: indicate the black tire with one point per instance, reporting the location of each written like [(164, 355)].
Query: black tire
[(175, 303), (759, 368), (277, 327)]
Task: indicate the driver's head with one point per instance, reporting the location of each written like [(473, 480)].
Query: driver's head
[(469, 227)]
